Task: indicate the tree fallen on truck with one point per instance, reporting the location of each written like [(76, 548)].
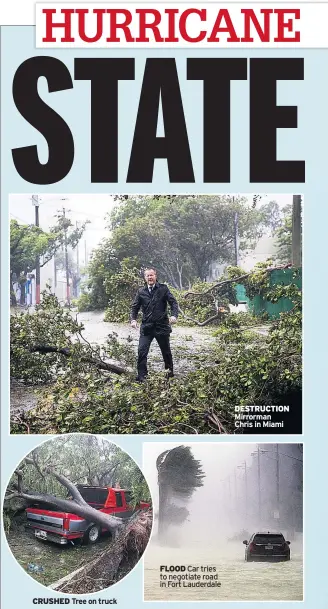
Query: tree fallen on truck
[(114, 563), (58, 466)]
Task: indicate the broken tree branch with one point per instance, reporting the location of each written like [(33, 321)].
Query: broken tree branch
[(199, 323), (77, 505), (217, 285), (236, 279), (69, 485), (111, 523), (202, 323), (109, 367)]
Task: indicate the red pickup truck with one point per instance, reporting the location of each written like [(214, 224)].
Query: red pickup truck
[(63, 527)]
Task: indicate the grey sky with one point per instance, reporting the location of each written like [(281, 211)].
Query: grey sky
[(218, 459), (84, 207)]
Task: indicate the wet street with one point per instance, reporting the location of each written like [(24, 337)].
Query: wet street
[(189, 344), (185, 341), (188, 347), (240, 580)]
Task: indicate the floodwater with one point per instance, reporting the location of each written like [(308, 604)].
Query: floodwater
[(184, 340), (240, 580), (188, 345)]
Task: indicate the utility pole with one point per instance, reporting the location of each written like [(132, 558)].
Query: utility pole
[(229, 486), (236, 236), (77, 265), (35, 202), (246, 493), (235, 486), (244, 467), (66, 260), (236, 239), (55, 274), (277, 481), (296, 232), (259, 481), (85, 253)]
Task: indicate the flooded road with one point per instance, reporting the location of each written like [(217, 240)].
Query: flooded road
[(190, 346), (22, 397), (187, 343), (240, 580)]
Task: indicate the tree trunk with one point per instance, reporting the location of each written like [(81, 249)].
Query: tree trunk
[(13, 300), (76, 506), (163, 492), (109, 367), (22, 294), (180, 276), (111, 523)]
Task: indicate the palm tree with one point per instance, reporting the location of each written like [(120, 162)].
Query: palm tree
[(179, 475)]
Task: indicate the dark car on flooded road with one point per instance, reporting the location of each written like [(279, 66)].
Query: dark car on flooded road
[(267, 546)]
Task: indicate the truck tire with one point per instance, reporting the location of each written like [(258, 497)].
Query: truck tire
[(92, 534)]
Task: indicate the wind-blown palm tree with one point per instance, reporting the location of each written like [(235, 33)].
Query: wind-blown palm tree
[(179, 475)]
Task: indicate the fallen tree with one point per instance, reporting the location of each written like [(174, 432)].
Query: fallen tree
[(49, 342), (240, 367), (243, 367), (77, 505), (237, 279), (114, 563), (53, 472), (256, 277), (98, 363)]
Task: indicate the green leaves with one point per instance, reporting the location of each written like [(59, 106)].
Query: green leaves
[(242, 367), (27, 242), (182, 236)]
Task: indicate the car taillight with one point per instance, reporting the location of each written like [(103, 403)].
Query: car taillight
[(66, 524), (251, 547)]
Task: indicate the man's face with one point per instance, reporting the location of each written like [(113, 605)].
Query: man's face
[(150, 277)]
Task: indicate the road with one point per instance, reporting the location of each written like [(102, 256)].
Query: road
[(188, 343), (188, 347), (240, 580)]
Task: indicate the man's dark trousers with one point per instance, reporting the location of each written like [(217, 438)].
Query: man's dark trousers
[(145, 341)]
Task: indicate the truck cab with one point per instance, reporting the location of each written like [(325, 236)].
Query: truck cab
[(51, 524)]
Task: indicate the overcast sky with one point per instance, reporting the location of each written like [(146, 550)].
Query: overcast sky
[(218, 459), (84, 207)]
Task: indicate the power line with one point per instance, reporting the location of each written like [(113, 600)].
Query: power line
[(20, 219)]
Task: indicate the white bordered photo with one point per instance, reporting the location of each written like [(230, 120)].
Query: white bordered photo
[(228, 522), (156, 313), (77, 514)]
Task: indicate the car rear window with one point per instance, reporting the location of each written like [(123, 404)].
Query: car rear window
[(93, 495), (269, 539)]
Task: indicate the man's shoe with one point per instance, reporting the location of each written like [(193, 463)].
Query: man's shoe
[(140, 380)]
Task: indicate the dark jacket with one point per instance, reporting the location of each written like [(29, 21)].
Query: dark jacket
[(154, 306)]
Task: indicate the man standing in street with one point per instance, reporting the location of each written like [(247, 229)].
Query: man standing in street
[(153, 299)]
